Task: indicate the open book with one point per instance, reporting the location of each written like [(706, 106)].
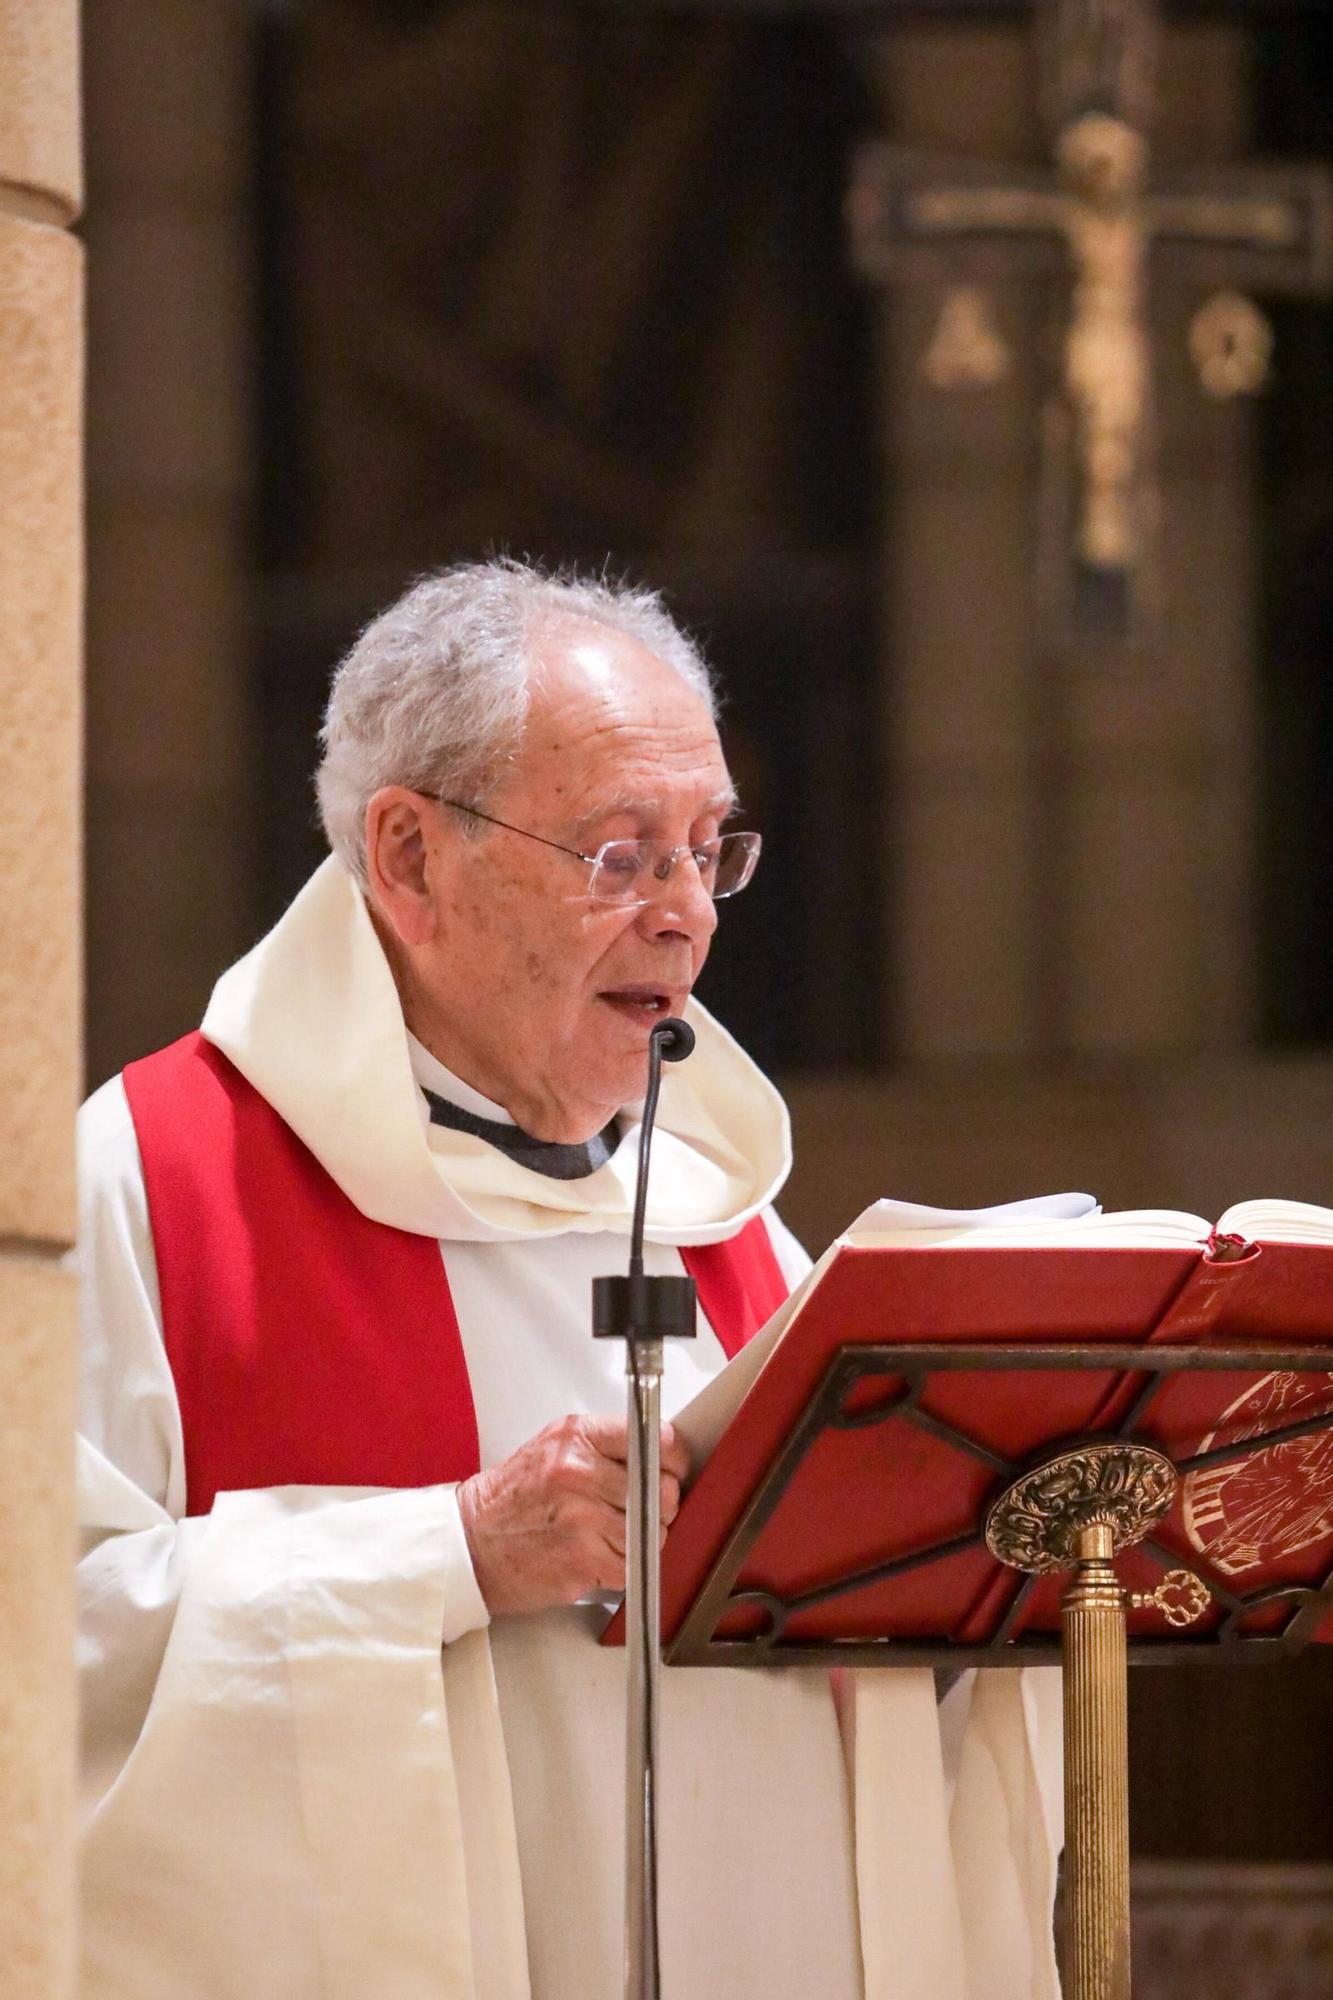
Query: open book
[(1043, 1222)]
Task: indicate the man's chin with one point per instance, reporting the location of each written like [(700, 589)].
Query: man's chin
[(616, 1071), (609, 1060)]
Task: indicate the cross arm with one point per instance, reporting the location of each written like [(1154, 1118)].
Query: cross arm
[(1266, 228), (906, 209)]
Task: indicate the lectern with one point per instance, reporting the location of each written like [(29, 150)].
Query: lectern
[(964, 1457)]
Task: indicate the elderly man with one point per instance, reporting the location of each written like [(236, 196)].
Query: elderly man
[(352, 1468)]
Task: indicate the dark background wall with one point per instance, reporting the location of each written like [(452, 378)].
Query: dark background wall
[(497, 312)]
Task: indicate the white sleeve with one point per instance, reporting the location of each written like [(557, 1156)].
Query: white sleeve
[(138, 1552), (289, 1785)]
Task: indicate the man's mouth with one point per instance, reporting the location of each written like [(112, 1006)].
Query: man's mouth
[(644, 1004)]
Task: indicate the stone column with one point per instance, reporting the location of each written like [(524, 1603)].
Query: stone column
[(41, 568), (170, 751), (1153, 891), (961, 867), (1068, 849)]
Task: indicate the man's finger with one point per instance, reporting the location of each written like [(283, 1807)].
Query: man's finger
[(675, 1453), (609, 1436), (610, 1569), (604, 1478), (606, 1482), (615, 1533)]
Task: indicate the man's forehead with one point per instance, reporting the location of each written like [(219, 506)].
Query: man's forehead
[(593, 676), (592, 654), (631, 806)]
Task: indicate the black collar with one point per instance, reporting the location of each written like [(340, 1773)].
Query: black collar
[(544, 1156)]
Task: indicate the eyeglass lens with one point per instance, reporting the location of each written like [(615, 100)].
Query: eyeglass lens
[(628, 868)]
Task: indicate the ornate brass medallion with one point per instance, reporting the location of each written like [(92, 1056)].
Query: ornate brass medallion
[(1036, 1522), (1181, 1597)]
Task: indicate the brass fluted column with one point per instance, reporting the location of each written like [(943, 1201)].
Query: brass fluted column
[(1081, 1507), (1096, 1732)]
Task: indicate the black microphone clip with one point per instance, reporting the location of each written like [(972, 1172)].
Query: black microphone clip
[(638, 1307), (674, 1038)]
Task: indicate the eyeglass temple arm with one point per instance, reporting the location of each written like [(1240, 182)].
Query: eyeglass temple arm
[(475, 812)]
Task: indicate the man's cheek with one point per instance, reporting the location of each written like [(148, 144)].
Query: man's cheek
[(471, 914), (544, 974)]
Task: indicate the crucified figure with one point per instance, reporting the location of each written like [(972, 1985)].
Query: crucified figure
[(1103, 168)]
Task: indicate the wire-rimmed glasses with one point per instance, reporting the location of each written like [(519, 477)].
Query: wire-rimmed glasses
[(635, 871)]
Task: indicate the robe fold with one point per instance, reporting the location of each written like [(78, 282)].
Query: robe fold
[(314, 1766)]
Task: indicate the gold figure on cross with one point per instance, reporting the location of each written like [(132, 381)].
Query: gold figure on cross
[(1106, 224), (1103, 163)]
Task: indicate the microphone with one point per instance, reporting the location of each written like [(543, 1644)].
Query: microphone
[(637, 1307), (670, 1041), (642, 1312), (674, 1037)]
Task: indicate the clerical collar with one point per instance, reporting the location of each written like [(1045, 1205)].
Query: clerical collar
[(560, 1162), (455, 1104), (431, 1074)]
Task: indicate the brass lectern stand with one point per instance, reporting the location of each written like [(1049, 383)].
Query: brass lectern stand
[(1120, 1484), (1082, 1507)]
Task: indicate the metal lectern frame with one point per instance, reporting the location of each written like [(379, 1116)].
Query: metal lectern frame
[(695, 1646)]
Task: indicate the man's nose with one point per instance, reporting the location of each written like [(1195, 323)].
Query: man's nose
[(682, 904)]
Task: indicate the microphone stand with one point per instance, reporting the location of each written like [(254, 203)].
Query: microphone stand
[(643, 1312)]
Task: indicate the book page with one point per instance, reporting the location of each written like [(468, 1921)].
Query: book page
[(1121, 1229), (1051, 1221), (909, 1223), (1273, 1220)]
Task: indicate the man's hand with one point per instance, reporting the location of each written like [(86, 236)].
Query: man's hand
[(547, 1525)]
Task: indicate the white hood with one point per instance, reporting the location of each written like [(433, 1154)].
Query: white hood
[(311, 1018)]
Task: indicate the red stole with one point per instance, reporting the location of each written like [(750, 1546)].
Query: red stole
[(310, 1345)]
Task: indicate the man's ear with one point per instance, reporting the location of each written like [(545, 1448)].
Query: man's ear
[(398, 863)]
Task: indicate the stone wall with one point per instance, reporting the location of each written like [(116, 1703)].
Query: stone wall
[(1218, 1933), (1195, 1135), (41, 327)]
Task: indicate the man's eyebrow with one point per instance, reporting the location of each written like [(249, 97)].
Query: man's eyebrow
[(721, 803)]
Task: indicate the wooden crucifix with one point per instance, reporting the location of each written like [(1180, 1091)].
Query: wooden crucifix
[(1103, 218)]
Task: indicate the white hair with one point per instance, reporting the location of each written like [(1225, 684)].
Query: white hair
[(434, 693)]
